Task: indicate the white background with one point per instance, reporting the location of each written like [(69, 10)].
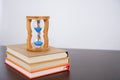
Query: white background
[(0, 20), (83, 24)]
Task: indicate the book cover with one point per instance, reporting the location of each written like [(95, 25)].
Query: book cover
[(19, 50)]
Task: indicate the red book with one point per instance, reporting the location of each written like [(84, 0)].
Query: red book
[(38, 73)]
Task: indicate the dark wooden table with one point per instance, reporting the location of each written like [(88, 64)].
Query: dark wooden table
[(85, 65)]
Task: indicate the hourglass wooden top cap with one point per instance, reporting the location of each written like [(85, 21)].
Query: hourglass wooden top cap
[(37, 17)]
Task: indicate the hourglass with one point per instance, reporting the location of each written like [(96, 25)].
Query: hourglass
[(33, 24)]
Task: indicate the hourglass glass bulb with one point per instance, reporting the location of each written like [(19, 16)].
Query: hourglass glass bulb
[(38, 28)]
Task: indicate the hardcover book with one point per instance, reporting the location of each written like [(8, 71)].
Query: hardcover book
[(39, 65), (19, 50), (38, 73)]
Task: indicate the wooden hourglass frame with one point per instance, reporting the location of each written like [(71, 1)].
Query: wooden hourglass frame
[(45, 45)]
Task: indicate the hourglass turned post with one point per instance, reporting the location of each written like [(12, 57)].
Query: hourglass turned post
[(46, 33), (29, 46), (38, 44)]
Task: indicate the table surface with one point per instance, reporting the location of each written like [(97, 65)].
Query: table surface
[(85, 65)]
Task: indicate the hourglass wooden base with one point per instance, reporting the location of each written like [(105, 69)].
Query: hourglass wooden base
[(38, 50), (45, 45)]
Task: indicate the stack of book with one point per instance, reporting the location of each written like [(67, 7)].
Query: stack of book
[(36, 64)]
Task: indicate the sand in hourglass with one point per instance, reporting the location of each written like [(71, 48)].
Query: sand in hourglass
[(38, 29)]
